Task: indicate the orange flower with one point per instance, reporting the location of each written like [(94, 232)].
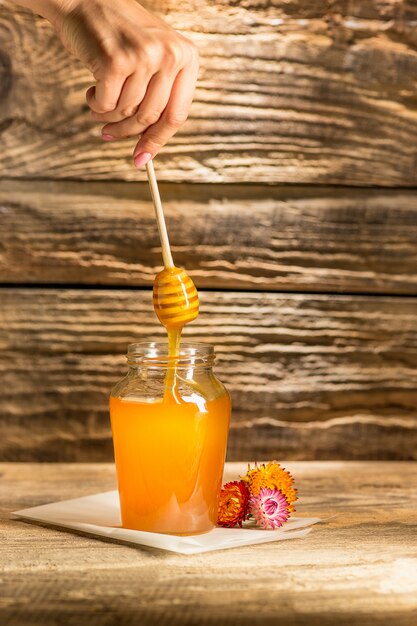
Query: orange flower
[(233, 504), (271, 476)]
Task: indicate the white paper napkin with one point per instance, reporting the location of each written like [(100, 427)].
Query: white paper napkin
[(99, 515)]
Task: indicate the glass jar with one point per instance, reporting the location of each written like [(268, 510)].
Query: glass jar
[(170, 421)]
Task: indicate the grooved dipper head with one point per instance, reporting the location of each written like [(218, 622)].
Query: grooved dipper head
[(175, 298)]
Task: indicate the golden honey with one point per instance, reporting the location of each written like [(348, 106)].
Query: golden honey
[(169, 460)]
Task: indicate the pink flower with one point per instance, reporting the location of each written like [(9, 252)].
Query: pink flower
[(270, 508)]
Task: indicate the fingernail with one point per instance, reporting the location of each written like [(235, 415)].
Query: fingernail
[(107, 137), (142, 158)]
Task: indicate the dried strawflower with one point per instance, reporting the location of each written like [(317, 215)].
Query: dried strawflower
[(233, 504), (269, 508), (272, 476)]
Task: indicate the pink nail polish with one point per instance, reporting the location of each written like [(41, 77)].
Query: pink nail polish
[(142, 158), (107, 137)]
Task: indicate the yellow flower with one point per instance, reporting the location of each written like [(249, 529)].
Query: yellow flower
[(272, 476)]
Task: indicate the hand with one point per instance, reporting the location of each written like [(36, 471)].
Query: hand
[(145, 71)]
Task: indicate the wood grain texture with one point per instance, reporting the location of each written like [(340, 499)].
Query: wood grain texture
[(356, 569), (289, 92), (251, 237), (310, 376), (259, 14)]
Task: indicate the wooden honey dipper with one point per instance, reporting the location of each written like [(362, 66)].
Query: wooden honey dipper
[(175, 297)]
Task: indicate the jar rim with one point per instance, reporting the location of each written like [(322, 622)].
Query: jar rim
[(155, 354)]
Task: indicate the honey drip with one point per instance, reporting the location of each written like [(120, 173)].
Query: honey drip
[(175, 300)]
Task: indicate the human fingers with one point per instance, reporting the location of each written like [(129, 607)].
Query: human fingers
[(132, 94), (149, 111), (174, 116), (105, 95)]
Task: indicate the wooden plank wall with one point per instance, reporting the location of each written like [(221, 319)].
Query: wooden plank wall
[(290, 197)]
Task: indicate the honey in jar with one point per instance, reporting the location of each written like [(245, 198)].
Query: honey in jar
[(169, 442)]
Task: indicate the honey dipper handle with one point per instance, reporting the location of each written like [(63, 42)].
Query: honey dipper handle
[(163, 234)]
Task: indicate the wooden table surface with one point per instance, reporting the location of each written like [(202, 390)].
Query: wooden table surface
[(358, 567)]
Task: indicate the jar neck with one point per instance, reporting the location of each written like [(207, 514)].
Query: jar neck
[(155, 356)]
